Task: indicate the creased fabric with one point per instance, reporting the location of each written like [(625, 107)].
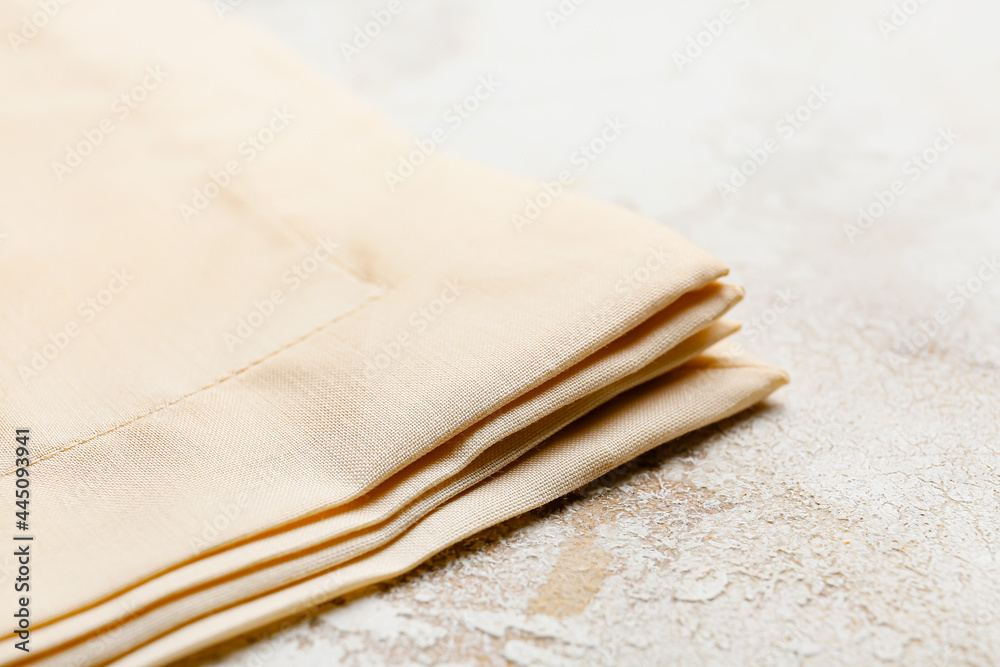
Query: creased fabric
[(258, 375)]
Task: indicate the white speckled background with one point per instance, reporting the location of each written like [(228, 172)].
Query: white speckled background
[(852, 521)]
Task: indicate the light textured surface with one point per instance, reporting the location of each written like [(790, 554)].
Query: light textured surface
[(855, 519)]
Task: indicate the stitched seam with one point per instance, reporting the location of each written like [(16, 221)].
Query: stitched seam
[(232, 375)]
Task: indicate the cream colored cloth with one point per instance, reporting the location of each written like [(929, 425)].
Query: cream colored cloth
[(257, 375)]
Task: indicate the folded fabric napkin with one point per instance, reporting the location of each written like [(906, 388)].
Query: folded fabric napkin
[(254, 364)]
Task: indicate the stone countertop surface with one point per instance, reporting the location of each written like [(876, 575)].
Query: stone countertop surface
[(843, 159)]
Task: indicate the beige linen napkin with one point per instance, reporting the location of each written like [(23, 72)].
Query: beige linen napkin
[(256, 375)]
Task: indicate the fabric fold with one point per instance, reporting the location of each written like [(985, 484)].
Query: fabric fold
[(267, 562), (597, 445)]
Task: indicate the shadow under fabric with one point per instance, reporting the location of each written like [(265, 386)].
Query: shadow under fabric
[(259, 374)]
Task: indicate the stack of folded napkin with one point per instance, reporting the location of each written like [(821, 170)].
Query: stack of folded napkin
[(256, 374)]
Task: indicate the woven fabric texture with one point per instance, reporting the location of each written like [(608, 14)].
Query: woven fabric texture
[(258, 374)]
